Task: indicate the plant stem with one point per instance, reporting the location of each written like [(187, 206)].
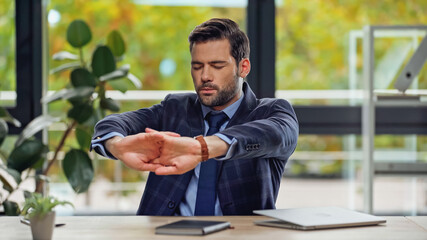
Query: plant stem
[(55, 156), (81, 57)]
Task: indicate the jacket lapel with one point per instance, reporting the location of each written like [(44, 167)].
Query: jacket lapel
[(195, 119), (247, 105)]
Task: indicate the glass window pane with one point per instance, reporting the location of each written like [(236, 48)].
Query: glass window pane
[(7, 53), (328, 170), (315, 42)]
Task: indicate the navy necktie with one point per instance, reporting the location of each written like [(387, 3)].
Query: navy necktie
[(206, 190)]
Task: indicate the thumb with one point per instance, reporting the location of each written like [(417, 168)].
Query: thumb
[(156, 137), (166, 170)]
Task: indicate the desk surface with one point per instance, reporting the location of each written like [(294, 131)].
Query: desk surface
[(142, 227)]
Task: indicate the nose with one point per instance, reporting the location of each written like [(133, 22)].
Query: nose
[(206, 74)]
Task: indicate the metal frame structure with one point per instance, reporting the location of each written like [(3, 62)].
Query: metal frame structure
[(369, 108)]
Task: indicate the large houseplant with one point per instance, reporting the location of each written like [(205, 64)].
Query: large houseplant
[(86, 96)]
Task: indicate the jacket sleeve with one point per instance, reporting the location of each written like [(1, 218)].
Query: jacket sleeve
[(130, 123), (271, 131)]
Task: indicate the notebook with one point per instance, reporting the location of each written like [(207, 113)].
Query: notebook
[(192, 227), (316, 218)]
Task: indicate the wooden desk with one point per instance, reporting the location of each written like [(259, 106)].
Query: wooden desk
[(142, 227)]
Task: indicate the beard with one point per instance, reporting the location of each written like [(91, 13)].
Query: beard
[(222, 97)]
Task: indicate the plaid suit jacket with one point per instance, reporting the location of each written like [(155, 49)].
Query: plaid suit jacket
[(266, 131)]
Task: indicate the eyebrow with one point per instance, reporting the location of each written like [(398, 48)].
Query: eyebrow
[(211, 62)]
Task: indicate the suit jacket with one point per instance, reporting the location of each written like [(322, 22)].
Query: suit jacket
[(266, 131)]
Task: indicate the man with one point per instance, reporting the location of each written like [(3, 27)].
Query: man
[(237, 166)]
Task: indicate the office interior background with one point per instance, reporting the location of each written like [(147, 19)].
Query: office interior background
[(308, 52)]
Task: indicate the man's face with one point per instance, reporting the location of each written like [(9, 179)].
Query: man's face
[(215, 74)]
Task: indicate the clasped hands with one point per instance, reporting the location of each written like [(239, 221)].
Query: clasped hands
[(165, 153)]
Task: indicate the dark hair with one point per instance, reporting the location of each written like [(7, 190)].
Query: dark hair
[(222, 28)]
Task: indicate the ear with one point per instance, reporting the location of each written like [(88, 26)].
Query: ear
[(244, 67)]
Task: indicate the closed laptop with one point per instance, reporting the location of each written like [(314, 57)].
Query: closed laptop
[(316, 218)]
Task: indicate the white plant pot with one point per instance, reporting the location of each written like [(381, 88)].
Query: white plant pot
[(42, 228)]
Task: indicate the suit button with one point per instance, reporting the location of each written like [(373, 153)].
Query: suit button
[(171, 204)]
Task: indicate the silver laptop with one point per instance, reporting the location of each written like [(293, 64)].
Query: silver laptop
[(316, 218)]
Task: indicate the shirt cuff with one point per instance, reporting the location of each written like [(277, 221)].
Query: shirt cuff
[(98, 144), (230, 151)]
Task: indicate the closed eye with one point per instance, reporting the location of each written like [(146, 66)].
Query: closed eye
[(196, 66), (218, 66)]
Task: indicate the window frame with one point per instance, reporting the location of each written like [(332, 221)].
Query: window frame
[(29, 62)]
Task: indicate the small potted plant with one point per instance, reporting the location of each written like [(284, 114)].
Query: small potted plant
[(39, 210)]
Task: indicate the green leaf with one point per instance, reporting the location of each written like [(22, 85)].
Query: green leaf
[(116, 43), (4, 129), (39, 164), (27, 194), (119, 73), (97, 115), (80, 112), (78, 34), (11, 208), (4, 114), (26, 155), (36, 125), (71, 93), (6, 184), (81, 77), (78, 169), (15, 174), (136, 81), (12, 172), (77, 101), (103, 61), (110, 104), (64, 55), (83, 138), (119, 85), (64, 67)]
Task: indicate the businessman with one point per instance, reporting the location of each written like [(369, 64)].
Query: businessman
[(219, 151)]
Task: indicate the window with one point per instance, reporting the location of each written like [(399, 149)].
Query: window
[(312, 71)]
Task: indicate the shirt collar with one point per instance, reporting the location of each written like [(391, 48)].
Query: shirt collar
[(229, 111)]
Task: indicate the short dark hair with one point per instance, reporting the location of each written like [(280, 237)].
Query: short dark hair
[(222, 28)]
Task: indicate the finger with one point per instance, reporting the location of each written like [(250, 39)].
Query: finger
[(150, 167), (150, 130), (156, 137), (155, 161), (161, 161), (171, 134), (167, 170)]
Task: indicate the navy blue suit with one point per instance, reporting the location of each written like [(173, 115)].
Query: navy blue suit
[(266, 131)]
